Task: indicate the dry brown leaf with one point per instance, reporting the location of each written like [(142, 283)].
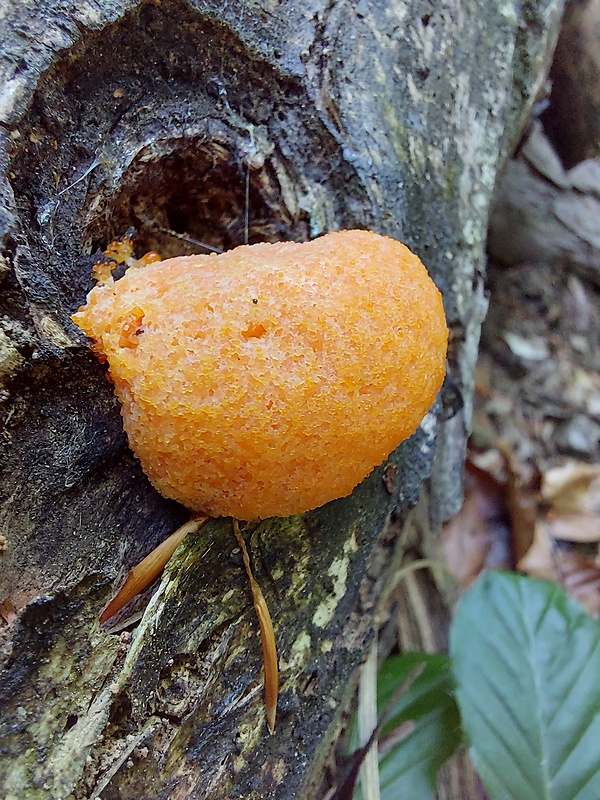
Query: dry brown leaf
[(578, 575), (573, 527), (475, 538), (8, 612), (539, 561), (522, 501), (573, 492), (573, 488), (466, 542), (490, 462), (581, 580)]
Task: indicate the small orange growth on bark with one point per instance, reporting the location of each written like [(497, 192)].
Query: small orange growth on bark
[(102, 271), (121, 250), (149, 258)]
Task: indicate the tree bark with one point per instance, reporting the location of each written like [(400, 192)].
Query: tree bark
[(186, 115), (574, 101)]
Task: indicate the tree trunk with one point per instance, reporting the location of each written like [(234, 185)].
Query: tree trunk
[(205, 117)]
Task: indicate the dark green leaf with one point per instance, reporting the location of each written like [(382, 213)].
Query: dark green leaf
[(526, 662), (409, 769)]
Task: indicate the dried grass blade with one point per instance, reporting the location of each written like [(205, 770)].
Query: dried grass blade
[(266, 634), (148, 570)]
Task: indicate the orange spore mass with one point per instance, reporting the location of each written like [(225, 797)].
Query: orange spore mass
[(273, 378), (120, 250), (131, 328), (149, 258), (102, 271)]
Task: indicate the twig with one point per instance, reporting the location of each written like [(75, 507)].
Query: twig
[(150, 223), (109, 775)]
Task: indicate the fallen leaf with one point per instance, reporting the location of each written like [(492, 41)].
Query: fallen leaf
[(578, 574), (476, 538), (534, 348), (582, 389), (573, 527), (539, 560), (572, 491), (522, 502), (581, 579), (466, 541), (573, 487), (8, 612)]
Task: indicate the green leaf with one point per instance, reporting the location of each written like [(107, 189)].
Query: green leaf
[(526, 662), (409, 769)]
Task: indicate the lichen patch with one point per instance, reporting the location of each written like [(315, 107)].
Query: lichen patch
[(338, 571)]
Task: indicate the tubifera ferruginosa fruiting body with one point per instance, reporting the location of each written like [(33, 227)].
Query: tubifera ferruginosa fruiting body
[(273, 378)]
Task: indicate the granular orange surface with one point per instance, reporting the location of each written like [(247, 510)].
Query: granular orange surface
[(273, 378)]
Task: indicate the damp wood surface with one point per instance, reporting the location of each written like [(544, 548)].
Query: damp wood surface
[(211, 120)]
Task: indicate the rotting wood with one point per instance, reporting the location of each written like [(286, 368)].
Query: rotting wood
[(394, 117)]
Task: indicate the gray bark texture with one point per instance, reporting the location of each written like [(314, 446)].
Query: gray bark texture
[(326, 114)]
